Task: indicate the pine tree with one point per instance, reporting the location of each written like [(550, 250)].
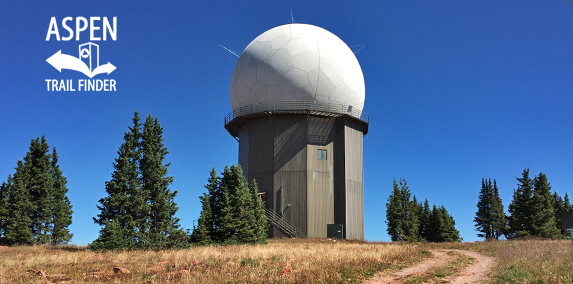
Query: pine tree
[(4, 207), (483, 215), (435, 225), (499, 222), (62, 208), (544, 224), (448, 231), (21, 208), (395, 215), (567, 208), (411, 222), (40, 181), (111, 237), (124, 207), (261, 224), (425, 230), (164, 228), (232, 212), (520, 220), (205, 231), (202, 234)]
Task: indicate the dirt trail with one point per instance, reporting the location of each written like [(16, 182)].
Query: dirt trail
[(472, 274)]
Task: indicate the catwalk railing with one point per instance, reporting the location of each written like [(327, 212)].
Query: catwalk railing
[(297, 107)]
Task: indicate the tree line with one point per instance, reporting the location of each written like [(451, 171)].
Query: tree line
[(408, 220), (533, 212), (34, 208), (139, 211)]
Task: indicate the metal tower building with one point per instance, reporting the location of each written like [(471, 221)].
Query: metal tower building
[(297, 94)]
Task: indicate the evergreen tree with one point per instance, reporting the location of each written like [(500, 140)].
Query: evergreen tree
[(202, 234), (232, 212), (62, 208), (435, 225), (34, 208), (164, 228), (140, 207), (111, 237), (558, 209), (224, 223), (448, 231), (426, 229), (520, 220), (395, 215), (19, 222), (40, 182), (499, 222), (261, 224), (567, 209), (544, 224), (483, 218), (125, 206), (411, 222), (4, 207)]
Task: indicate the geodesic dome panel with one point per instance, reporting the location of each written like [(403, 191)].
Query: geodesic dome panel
[(297, 62)]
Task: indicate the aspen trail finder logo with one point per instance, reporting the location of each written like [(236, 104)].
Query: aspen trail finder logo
[(88, 60)]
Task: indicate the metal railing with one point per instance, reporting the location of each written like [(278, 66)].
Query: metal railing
[(282, 224), (297, 107)]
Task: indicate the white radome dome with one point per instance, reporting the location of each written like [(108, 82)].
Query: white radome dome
[(297, 62)]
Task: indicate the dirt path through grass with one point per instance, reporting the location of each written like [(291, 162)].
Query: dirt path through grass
[(476, 272)]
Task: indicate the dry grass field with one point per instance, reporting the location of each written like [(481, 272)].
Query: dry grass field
[(280, 261)]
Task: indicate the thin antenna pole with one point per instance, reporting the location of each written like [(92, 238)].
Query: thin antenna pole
[(359, 49), (291, 20), (229, 50)]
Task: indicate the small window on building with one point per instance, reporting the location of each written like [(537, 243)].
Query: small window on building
[(321, 154)]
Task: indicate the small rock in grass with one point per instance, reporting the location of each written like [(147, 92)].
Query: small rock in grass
[(121, 270)]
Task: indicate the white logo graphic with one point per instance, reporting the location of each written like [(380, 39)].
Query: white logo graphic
[(87, 62)]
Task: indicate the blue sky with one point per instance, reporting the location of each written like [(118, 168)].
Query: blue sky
[(456, 91)]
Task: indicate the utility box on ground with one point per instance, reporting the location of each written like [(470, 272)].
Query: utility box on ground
[(334, 231)]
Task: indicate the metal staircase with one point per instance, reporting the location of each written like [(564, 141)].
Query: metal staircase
[(282, 224)]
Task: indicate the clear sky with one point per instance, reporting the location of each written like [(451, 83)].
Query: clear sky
[(456, 91)]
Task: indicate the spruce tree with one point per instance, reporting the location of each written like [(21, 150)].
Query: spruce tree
[(111, 237), (448, 231), (232, 211), (19, 222), (224, 222), (411, 222), (62, 207), (395, 214), (483, 218), (499, 222), (558, 210), (4, 207), (435, 225), (261, 224), (544, 223), (425, 230), (40, 182), (164, 228), (125, 206), (520, 209), (202, 234)]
